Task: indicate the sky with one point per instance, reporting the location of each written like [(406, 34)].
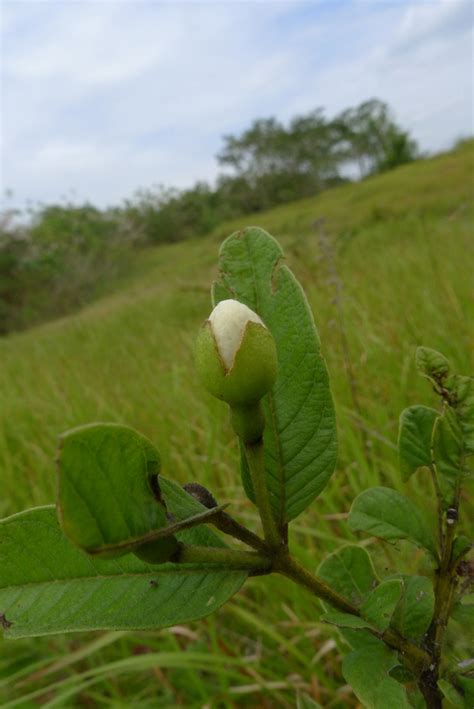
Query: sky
[(102, 98)]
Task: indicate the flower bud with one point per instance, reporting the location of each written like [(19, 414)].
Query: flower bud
[(236, 355)]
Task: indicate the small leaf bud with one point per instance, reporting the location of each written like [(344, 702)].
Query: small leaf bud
[(201, 494), (236, 355), (432, 364)]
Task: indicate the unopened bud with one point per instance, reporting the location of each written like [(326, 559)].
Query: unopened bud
[(236, 355)]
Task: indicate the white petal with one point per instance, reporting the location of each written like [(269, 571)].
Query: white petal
[(228, 321)]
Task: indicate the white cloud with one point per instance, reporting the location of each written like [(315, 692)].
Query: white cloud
[(104, 97), (432, 20)]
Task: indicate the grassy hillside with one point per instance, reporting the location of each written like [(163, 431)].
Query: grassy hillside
[(385, 264)]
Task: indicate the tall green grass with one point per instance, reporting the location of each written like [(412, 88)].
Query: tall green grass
[(385, 264)]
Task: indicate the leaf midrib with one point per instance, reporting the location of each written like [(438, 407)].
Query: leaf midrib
[(121, 575)]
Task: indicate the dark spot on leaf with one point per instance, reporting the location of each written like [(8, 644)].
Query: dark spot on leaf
[(4, 622)]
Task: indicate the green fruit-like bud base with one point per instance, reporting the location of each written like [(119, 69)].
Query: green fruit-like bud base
[(253, 372)]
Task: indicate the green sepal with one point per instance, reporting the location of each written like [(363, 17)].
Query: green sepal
[(253, 371)]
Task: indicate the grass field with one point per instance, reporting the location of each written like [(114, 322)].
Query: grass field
[(387, 266)]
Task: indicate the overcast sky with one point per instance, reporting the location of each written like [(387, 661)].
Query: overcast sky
[(100, 98)]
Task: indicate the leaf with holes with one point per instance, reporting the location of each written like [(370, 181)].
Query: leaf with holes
[(47, 585), (300, 435)]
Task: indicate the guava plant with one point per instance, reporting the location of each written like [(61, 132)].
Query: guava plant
[(127, 548)]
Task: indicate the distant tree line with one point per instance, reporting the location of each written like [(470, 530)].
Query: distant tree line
[(270, 164), (65, 255)]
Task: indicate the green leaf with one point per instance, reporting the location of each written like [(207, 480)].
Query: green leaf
[(450, 693), (105, 493), (389, 515), (462, 391), (448, 453), (368, 672), (47, 585), (379, 606), (414, 439), (415, 609), (345, 620), (415, 697), (350, 572), (466, 685), (432, 364), (300, 434), (359, 638), (462, 545), (463, 613)]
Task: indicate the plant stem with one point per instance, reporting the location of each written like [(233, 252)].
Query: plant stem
[(224, 557), (255, 459), (227, 524), (445, 588), (440, 508), (292, 569), (415, 657)]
